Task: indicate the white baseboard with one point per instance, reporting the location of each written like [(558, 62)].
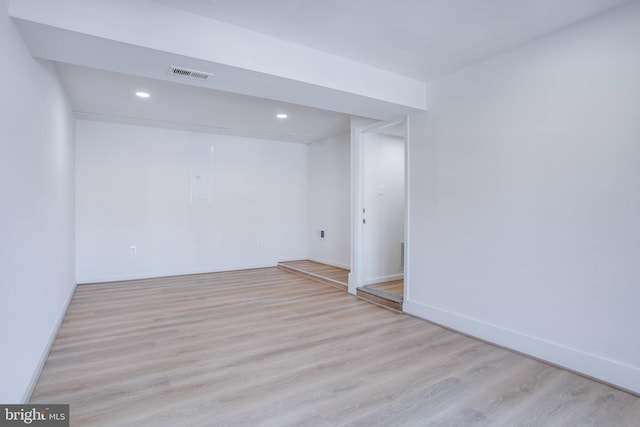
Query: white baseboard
[(329, 262), (383, 279), (45, 354), (606, 370), (152, 275)]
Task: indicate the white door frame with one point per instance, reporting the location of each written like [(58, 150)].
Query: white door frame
[(356, 278)]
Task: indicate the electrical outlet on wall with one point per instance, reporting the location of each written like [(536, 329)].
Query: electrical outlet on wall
[(133, 250), (321, 234)]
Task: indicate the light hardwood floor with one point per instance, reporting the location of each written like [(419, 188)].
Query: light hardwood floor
[(266, 347)]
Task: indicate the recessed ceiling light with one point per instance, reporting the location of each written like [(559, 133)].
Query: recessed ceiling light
[(281, 116), (142, 94)]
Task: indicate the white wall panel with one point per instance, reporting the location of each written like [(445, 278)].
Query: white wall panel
[(135, 188)]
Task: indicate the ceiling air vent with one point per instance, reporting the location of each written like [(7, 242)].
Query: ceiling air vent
[(190, 74)]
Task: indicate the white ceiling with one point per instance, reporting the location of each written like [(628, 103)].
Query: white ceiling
[(423, 39), (109, 96)]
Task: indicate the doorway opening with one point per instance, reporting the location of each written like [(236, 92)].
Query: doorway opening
[(379, 224)]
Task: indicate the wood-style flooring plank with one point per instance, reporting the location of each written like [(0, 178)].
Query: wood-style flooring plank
[(266, 347)]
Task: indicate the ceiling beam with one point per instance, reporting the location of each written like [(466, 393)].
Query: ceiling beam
[(145, 38)]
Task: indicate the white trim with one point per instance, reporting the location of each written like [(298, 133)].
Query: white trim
[(382, 279), (609, 371), (306, 258), (45, 354), (331, 263), (356, 279), (356, 210), (407, 200), (123, 277)]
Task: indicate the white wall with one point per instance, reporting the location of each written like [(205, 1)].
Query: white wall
[(330, 201), (133, 189), (525, 199), (36, 214), (383, 232)]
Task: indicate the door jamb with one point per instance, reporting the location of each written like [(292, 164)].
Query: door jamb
[(356, 279)]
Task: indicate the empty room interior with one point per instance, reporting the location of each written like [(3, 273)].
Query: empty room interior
[(321, 213)]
